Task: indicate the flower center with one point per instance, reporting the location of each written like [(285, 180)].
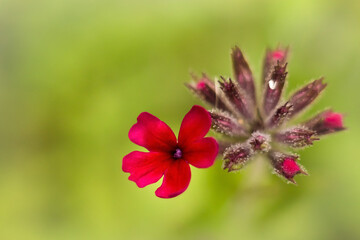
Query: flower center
[(177, 154)]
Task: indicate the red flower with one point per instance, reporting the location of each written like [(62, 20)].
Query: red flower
[(167, 156)]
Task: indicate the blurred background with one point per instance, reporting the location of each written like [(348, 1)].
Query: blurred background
[(75, 74)]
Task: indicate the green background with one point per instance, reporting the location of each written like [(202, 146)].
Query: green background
[(75, 74)]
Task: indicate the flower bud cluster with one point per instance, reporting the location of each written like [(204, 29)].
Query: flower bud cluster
[(249, 128)]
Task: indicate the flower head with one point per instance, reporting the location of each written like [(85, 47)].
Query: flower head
[(259, 125), (168, 156)]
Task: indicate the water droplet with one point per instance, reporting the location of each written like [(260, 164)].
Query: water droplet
[(272, 84)]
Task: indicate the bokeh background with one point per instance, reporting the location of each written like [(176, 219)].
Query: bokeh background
[(75, 74)]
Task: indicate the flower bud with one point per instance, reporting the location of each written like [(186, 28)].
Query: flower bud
[(272, 57), (285, 165), (237, 98), (306, 95), (236, 156), (260, 142), (326, 122), (243, 73), (280, 115), (204, 88), (297, 137), (273, 87), (223, 122)]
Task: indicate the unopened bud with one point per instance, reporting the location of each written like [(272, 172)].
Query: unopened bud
[(204, 88), (285, 165), (306, 95), (273, 87), (272, 57), (237, 98), (243, 73), (326, 122), (297, 137), (260, 142), (236, 156), (280, 115), (222, 122)]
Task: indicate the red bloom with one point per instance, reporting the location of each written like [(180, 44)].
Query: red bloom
[(167, 156)]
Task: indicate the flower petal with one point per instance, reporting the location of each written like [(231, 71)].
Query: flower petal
[(152, 133), (146, 167), (195, 125), (176, 180), (202, 153)]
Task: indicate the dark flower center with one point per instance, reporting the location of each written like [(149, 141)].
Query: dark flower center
[(177, 154)]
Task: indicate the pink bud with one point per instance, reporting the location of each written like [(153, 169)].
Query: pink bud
[(272, 58), (285, 165), (205, 89), (278, 54), (290, 168), (201, 85), (334, 120), (326, 122)]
